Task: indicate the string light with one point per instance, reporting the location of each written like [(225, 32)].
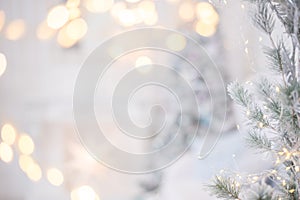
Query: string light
[(186, 11), (2, 19), (83, 193), (55, 177), (34, 172), (58, 17), (15, 29), (3, 64), (76, 29), (98, 6), (25, 144), (8, 134), (6, 153)]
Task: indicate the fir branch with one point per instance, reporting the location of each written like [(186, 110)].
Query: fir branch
[(264, 19), (258, 141), (225, 188), (239, 94)]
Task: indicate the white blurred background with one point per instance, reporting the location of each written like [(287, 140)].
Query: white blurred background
[(44, 43)]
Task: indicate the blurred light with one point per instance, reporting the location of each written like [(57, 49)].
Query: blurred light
[(44, 32), (173, 1), (176, 42), (143, 61), (64, 40), (55, 177), (2, 19), (72, 3), (25, 162), (83, 193), (25, 144), (3, 64), (57, 17), (147, 6), (8, 134), (186, 11), (127, 17), (133, 1), (76, 29), (147, 12), (74, 13), (15, 29), (6, 152), (151, 20), (204, 29), (117, 8), (34, 172), (207, 14), (97, 6)]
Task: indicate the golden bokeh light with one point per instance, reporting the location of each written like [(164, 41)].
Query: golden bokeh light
[(25, 162), (133, 1), (25, 144), (128, 17), (76, 29), (117, 8), (3, 63), (58, 16), (15, 29), (207, 14), (204, 29), (72, 3), (8, 134), (186, 11), (34, 172), (83, 193), (6, 153), (98, 6), (74, 13), (176, 42), (143, 61), (64, 40), (55, 177), (2, 19), (44, 32), (147, 12)]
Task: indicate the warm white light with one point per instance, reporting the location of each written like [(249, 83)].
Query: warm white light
[(127, 17), (8, 134), (34, 172), (64, 40), (72, 3), (6, 153), (25, 144), (83, 193), (3, 64), (207, 14), (204, 29), (176, 42), (117, 8), (97, 6), (143, 61), (133, 1), (44, 32), (25, 162), (15, 29), (55, 177), (186, 11), (57, 17), (76, 29), (2, 19), (74, 13)]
